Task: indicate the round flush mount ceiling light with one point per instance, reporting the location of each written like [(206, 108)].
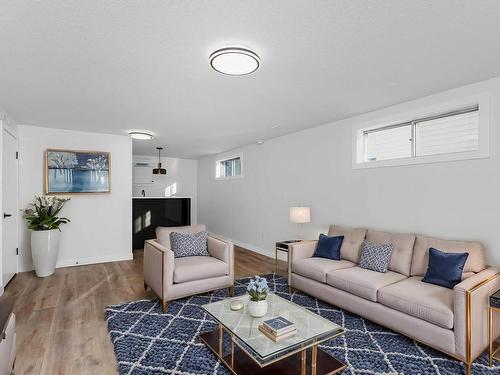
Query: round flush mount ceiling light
[(234, 61), (140, 134)]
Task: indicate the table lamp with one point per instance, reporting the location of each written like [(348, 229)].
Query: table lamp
[(300, 216)]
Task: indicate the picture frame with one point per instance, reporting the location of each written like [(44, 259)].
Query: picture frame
[(77, 172)]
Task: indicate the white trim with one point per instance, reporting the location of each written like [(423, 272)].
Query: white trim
[(94, 260), (483, 100), (86, 261), (229, 157), (256, 249)]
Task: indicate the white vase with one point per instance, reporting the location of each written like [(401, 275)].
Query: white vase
[(257, 309), (44, 251)]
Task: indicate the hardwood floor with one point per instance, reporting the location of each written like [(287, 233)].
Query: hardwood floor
[(60, 319)]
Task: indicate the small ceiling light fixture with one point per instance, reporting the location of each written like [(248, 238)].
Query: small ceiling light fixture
[(140, 134), (234, 61), (260, 142), (159, 170)]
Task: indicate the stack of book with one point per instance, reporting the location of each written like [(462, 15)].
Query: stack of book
[(278, 328)]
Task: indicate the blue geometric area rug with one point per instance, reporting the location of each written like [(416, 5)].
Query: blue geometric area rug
[(149, 342)]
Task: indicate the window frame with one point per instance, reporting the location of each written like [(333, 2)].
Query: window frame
[(455, 107), (226, 158)]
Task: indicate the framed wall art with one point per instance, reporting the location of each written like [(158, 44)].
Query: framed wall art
[(77, 172)]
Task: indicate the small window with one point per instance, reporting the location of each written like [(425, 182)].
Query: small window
[(228, 168), (446, 133)]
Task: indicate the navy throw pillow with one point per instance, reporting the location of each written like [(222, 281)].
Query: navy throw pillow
[(329, 247), (445, 269)]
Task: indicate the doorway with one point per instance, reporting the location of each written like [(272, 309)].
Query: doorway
[(9, 206)]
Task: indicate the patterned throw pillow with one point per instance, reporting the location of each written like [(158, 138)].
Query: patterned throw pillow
[(376, 257), (189, 244)]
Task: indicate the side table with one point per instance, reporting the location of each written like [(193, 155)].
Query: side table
[(285, 247), (494, 307)]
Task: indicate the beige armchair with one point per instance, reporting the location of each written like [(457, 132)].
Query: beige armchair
[(172, 278)]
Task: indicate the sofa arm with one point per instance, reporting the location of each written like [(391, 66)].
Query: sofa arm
[(470, 304), (300, 250), (158, 267), (219, 248), (223, 250)]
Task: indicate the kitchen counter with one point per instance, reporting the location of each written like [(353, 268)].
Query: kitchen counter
[(160, 197), (151, 212)]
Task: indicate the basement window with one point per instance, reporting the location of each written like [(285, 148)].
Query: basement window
[(228, 168), (457, 134)]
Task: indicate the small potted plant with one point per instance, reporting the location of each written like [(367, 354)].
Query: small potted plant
[(45, 226), (257, 289)]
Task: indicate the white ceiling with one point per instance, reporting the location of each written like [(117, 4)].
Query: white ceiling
[(109, 66)]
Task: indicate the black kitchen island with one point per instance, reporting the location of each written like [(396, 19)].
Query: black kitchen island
[(151, 212)]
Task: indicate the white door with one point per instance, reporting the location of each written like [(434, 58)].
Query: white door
[(9, 206)]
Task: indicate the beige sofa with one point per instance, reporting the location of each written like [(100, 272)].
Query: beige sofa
[(171, 278), (452, 321)]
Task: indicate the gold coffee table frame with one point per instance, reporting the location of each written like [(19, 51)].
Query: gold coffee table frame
[(239, 361), (243, 349)]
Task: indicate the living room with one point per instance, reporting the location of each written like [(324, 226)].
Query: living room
[(267, 187)]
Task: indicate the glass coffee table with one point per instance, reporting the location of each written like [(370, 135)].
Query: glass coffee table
[(243, 349)]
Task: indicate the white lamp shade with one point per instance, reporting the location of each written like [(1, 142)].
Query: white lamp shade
[(300, 215)]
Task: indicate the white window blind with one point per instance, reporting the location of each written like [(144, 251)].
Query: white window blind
[(228, 168), (389, 143), (450, 132)]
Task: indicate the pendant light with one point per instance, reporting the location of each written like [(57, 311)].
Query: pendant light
[(159, 170)]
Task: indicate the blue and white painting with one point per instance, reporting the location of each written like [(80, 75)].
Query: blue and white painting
[(77, 172)]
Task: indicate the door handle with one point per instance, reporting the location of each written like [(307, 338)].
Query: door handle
[(6, 215)]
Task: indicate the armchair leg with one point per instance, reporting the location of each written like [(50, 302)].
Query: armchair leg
[(231, 291), (145, 286), (290, 290), (468, 368), (164, 306)]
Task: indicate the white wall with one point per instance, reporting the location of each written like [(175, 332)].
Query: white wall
[(459, 199), (181, 172), (101, 224)]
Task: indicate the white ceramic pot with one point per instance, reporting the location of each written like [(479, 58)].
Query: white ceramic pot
[(257, 309), (44, 250)]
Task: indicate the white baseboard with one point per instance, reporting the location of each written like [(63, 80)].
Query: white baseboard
[(256, 249), (94, 260), (84, 261)]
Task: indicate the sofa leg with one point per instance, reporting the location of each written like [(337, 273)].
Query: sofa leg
[(290, 290), (164, 306), (230, 290), (145, 286)]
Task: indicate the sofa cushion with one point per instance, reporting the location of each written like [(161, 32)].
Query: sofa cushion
[(403, 248), (163, 233), (376, 257), (445, 269), (317, 268), (353, 239), (198, 268), (428, 302), (362, 282), (475, 261), (189, 244), (328, 247)]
